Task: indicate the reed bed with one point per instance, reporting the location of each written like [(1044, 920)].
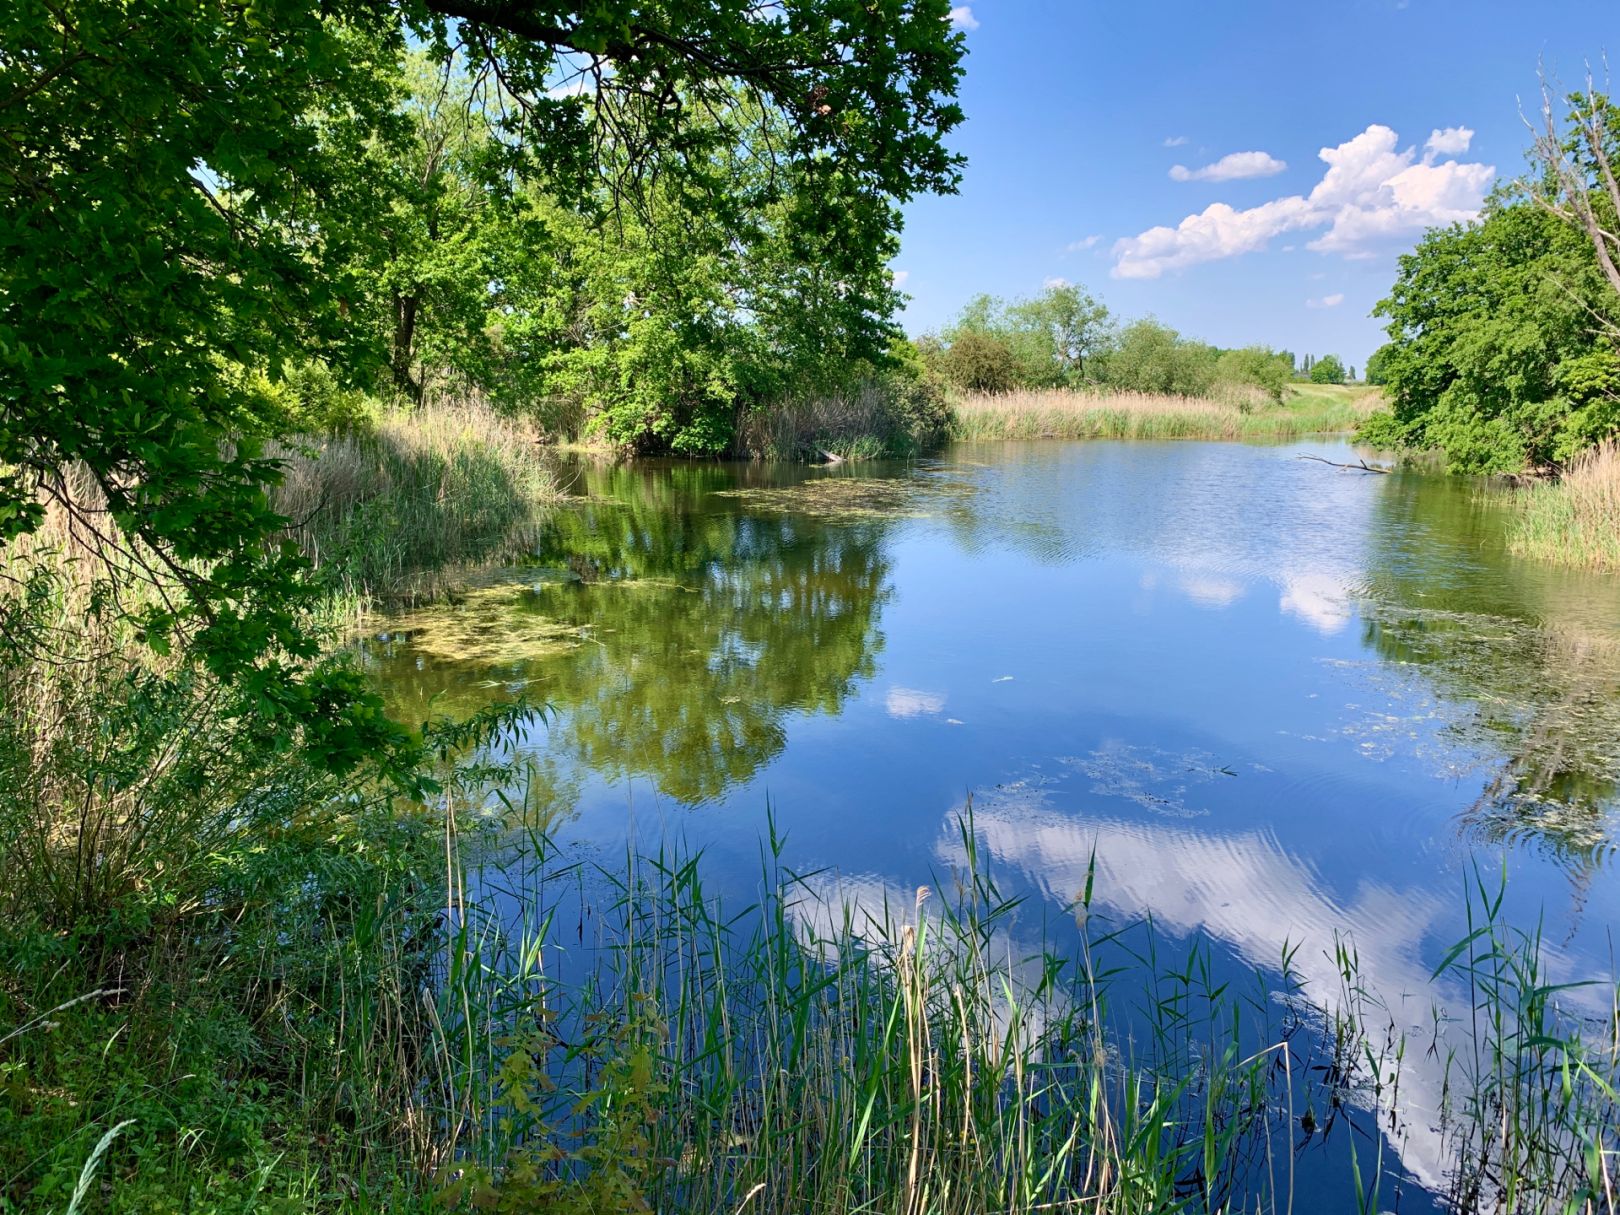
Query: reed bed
[(437, 486), (1574, 520), (881, 418), (1066, 414), (621, 1030)]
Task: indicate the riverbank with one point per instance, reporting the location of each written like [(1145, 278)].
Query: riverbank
[(1062, 414), (417, 491), (233, 981), (334, 1019), (1574, 520)]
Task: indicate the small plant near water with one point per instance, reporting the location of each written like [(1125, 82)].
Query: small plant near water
[(1574, 520)]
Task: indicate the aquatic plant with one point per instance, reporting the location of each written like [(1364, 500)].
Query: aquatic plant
[(433, 486), (1064, 414), (1574, 520)]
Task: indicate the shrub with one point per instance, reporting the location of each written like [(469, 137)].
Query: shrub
[(1327, 370), (981, 362)]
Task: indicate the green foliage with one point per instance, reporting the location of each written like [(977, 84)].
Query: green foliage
[(1494, 358), (981, 362), (163, 264), (1258, 367), (1327, 370), (1376, 363), (1151, 357), (1045, 342)]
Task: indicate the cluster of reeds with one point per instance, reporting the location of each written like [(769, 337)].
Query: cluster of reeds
[(624, 1031), (359, 1006), (1574, 520), (1071, 414), (434, 486), (875, 418)]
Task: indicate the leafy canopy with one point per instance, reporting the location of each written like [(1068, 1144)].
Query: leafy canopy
[(1494, 357), (191, 209)]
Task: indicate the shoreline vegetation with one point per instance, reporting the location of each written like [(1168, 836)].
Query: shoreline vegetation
[(305, 994), (394, 504), (1076, 414), (1574, 520)]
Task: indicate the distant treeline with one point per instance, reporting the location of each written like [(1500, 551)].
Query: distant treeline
[(1066, 338)]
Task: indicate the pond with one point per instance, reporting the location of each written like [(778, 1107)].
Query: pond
[(1281, 704)]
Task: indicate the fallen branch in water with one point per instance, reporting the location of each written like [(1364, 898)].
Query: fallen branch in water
[(1358, 466)]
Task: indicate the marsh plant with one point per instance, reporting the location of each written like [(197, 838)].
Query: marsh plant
[(441, 485), (1574, 520), (1241, 413)]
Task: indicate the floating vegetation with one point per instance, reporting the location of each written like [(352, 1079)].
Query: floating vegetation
[(838, 497), (1154, 779), (488, 625), (1535, 709)]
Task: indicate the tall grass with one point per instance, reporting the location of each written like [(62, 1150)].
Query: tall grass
[(440, 485), (828, 1048), (1064, 414), (875, 418), (1574, 520)]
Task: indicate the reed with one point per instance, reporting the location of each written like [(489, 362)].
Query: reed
[(1575, 520), (437, 486), (1065, 414), (877, 418)]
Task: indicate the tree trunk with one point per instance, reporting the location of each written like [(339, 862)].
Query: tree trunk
[(405, 307)]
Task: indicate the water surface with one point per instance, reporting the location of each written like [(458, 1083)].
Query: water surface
[(1281, 704)]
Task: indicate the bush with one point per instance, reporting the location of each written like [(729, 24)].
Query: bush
[(980, 362), (1154, 358), (1327, 370), (1257, 367)]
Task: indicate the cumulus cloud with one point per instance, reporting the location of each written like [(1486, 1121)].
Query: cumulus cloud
[(1081, 245), (897, 278), (1327, 301), (1174, 141), (1231, 168), (1371, 193), (962, 17), (1453, 141), (1054, 281)]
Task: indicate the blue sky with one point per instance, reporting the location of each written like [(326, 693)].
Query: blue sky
[(1074, 110)]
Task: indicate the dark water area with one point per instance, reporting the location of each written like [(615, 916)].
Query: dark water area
[(1280, 704)]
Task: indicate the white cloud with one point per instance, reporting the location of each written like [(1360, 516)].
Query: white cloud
[(1231, 168), (1081, 245), (909, 702), (1217, 231), (1054, 281), (1320, 600), (580, 86), (1174, 141), (897, 278), (1371, 193), (1327, 301), (962, 17), (1452, 141)]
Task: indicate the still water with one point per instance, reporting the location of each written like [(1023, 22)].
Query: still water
[(1279, 702)]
